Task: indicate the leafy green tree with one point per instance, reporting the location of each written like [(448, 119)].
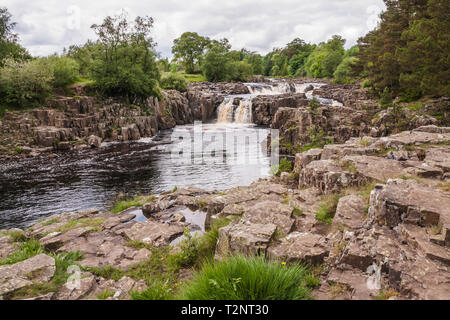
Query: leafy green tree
[(189, 48), (324, 60), (344, 72), (126, 64), (65, 70), (408, 51), (256, 61), (217, 65), (9, 46), (85, 55)]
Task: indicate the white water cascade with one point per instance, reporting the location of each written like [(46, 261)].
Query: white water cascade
[(231, 112)]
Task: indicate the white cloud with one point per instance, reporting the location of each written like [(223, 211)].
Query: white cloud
[(47, 26)]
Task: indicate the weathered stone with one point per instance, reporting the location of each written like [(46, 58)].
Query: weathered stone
[(329, 177), (154, 233), (303, 247), (94, 141), (39, 269), (408, 201), (305, 158), (271, 212), (77, 291), (244, 238), (350, 213)]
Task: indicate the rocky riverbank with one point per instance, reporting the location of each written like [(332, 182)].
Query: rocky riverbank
[(372, 215)]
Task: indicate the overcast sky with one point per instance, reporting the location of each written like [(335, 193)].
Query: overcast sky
[(47, 26)]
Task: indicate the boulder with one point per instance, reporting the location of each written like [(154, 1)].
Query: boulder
[(38, 270), (350, 213), (154, 233), (410, 202), (271, 212), (244, 238), (300, 247), (94, 141)]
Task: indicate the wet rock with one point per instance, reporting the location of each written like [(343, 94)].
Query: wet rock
[(154, 233), (155, 206), (244, 238), (39, 269), (94, 141), (300, 247)]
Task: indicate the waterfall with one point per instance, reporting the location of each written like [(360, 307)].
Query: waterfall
[(244, 112), (229, 112)]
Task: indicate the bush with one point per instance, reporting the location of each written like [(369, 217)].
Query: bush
[(65, 71), (253, 278), (344, 72), (173, 81), (24, 83)]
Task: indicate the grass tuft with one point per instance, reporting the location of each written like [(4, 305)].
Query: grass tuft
[(252, 278), (26, 250)]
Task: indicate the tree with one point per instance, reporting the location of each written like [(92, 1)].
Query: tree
[(126, 63), (324, 60), (188, 49), (408, 51), (217, 65), (9, 46)]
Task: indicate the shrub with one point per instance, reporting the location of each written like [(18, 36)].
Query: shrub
[(65, 71), (253, 278), (24, 83), (173, 81)]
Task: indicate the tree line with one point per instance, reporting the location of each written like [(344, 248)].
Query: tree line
[(406, 55)]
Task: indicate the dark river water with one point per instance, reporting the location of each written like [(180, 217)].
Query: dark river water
[(35, 188)]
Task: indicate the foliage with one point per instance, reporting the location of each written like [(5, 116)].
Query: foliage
[(344, 72), (284, 166), (9, 46), (65, 71), (26, 250), (173, 81), (252, 278), (126, 204), (125, 64), (408, 51), (188, 49), (324, 60), (328, 208), (24, 83)]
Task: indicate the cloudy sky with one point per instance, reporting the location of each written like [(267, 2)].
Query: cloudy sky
[(47, 26)]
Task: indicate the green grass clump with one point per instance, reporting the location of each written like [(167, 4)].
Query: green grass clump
[(328, 209), (95, 223), (16, 236), (109, 273), (26, 250), (194, 77), (252, 278), (105, 295), (284, 166), (126, 204), (157, 291)]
